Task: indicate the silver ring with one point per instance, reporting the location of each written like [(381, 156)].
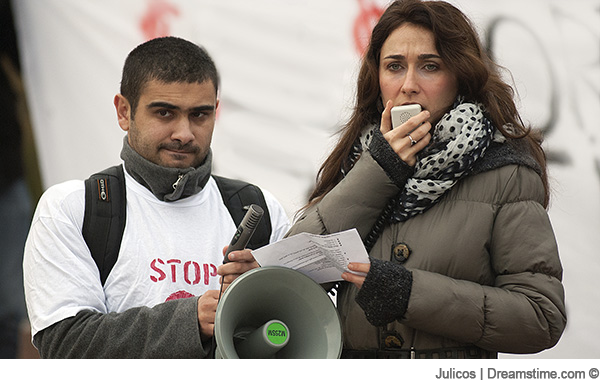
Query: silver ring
[(412, 141)]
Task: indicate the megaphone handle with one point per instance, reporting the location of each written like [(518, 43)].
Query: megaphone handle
[(245, 230)]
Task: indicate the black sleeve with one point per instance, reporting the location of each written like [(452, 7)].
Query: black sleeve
[(168, 330), (396, 169), (385, 292)]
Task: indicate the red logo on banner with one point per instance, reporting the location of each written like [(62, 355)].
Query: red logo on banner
[(369, 14), (155, 22)]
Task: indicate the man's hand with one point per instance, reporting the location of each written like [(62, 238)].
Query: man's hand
[(207, 309), (239, 263)]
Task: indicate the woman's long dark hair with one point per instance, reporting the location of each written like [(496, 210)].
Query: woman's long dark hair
[(458, 44)]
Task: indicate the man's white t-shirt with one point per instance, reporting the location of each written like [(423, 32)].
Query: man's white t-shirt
[(169, 250)]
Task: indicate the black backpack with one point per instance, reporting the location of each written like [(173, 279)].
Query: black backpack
[(106, 205)]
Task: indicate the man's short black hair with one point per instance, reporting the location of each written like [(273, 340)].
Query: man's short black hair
[(166, 59)]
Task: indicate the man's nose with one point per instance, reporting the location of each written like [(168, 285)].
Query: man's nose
[(182, 131)]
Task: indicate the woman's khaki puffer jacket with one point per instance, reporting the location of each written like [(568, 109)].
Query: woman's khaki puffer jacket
[(484, 262)]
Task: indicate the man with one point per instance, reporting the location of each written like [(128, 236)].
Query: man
[(160, 298)]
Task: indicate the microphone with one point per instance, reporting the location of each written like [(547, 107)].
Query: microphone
[(245, 230)]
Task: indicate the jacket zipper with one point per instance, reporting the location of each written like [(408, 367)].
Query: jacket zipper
[(177, 182)]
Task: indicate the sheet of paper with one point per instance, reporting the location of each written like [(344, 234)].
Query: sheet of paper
[(321, 257)]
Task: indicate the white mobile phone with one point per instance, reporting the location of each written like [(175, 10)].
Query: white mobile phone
[(400, 114)]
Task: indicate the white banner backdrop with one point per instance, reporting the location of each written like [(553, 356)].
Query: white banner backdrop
[(288, 70)]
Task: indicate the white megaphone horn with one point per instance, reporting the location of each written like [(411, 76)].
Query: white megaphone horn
[(276, 312)]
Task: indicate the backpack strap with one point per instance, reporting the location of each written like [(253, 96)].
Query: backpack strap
[(238, 196), (104, 217), (106, 206)]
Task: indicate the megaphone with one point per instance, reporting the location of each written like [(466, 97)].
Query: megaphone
[(276, 312)]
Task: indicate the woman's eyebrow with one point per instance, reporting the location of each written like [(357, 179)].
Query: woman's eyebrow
[(421, 57)]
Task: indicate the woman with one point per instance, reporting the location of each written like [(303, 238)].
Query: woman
[(451, 204)]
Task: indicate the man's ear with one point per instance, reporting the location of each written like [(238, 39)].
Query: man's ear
[(123, 111)]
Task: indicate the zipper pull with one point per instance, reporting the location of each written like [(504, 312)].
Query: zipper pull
[(177, 182)]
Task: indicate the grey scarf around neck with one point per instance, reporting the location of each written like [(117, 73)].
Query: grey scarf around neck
[(167, 184)]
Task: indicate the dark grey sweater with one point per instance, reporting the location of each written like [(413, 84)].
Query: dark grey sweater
[(168, 330)]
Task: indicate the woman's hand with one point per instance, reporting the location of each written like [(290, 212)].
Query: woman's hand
[(417, 127), (356, 279)]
